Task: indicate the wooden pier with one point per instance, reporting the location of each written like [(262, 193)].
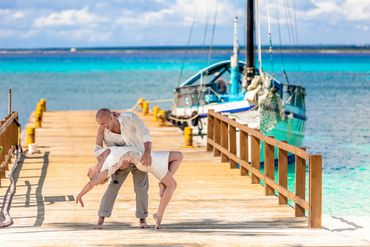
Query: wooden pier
[(213, 205)]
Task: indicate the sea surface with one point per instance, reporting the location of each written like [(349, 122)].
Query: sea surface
[(337, 101)]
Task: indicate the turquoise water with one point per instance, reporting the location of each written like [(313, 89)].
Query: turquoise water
[(338, 100)]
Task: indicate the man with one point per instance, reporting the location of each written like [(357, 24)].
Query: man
[(120, 130)]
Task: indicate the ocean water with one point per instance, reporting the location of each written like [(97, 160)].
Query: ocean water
[(337, 101)]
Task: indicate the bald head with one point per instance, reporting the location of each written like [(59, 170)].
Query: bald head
[(104, 117), (103, 113)]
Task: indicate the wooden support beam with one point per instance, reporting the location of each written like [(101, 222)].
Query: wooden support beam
[(256, 160), (269, 167), (244, 151), (300, 183), (283, 173), (232, 145), (224, 140), (315, 192), (210, 131), (217, 136)]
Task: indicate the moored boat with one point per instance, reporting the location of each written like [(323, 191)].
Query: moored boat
[(244, 91)]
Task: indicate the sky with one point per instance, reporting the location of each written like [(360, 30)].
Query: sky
[(105, 23)]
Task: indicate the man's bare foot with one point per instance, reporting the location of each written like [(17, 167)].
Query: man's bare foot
[(99, 224), (143, 223), (161, 189), (157, 220)]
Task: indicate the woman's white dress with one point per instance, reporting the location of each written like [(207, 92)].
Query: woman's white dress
[(158, 168)]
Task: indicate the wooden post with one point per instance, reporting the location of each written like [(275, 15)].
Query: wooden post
[(216, 135), (315, 193), (10, 101), (210, 127), (269, 167), (300, 183), (224, 140), (232, 145), (244, 149), (256, 160), (2, 153), (283, 173)]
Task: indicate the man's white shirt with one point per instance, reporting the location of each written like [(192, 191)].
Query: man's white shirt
[(133, 133)]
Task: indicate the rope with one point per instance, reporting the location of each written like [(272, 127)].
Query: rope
[(187, 47), (281, 51), (135, 106), (270, 36), (213, 33), (209, 2), (258, 37), (160, 100), (184, 120)]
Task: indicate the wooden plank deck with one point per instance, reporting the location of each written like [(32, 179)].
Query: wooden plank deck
[(213, 204)]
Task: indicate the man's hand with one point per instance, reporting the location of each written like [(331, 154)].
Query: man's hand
[(79, 200), (146, 159)]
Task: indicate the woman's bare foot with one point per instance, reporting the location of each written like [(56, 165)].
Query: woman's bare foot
[(161, 189), (158, 220), (143, 223), (99, 224)]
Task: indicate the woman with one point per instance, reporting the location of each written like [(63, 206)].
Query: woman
[(164, 166)]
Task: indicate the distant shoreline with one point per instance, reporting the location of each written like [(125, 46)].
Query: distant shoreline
[(330, 49)]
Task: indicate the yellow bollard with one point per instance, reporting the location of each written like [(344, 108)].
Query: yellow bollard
[(146, 108), (188, 136), (162, 118), (39, 108), (38, 118), (30, 135), (43, 104), (155, 113), (140, 102)]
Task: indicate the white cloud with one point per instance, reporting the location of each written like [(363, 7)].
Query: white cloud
[(181, 13), (347, 10), (4, 33), (70, 17), (11, 14), (153, 22), (28, 34), (357, 10), (18, 15)]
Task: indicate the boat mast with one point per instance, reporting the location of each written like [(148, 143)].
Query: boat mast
[(249, 48), (234, 63)]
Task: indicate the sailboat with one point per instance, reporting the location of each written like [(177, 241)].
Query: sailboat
[(244, 91)]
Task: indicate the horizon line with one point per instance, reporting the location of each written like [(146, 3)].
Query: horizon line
[(195, 47)]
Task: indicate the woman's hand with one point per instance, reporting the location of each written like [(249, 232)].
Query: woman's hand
[(124, 165), (79, 200), (146, 159)]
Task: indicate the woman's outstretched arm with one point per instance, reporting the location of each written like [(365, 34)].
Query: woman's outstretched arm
[(96, 180)]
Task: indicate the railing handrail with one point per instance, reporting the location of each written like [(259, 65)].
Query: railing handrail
[(9, 139), (8, 121), (222, 140), (287, 147)]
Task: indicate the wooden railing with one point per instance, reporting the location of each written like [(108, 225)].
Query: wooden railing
[(9, 139), (221, 139)]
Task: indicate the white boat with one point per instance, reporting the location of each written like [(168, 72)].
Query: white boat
[(243, 90)]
